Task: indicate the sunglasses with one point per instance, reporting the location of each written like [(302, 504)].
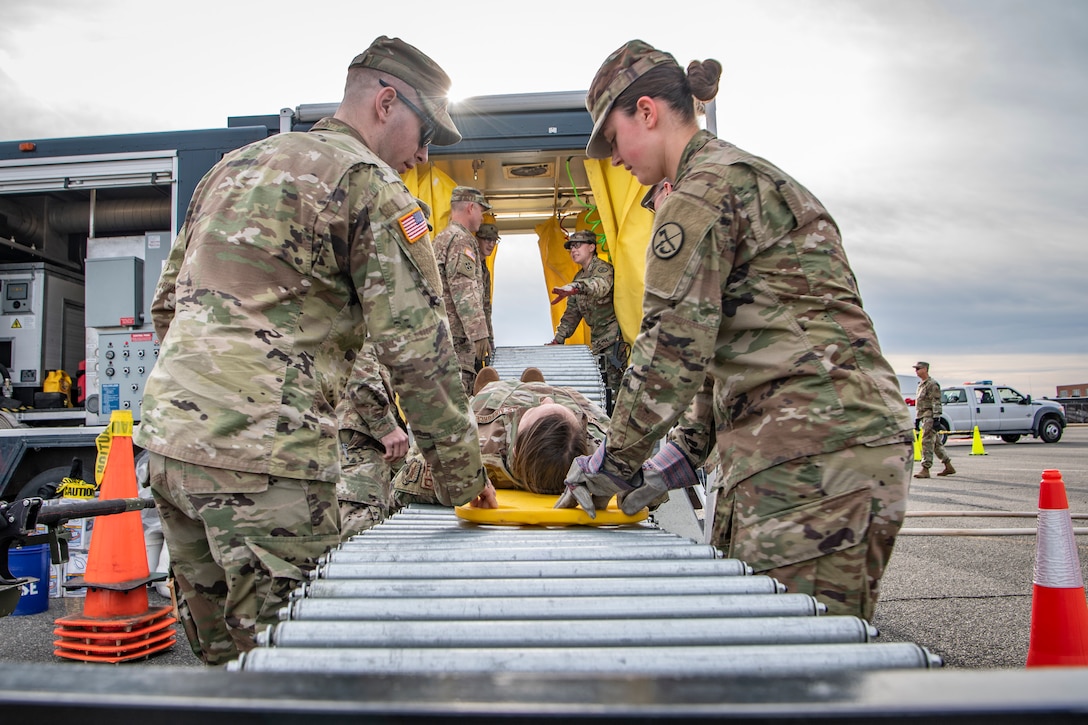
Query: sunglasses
[(427, 130), (657, 195)]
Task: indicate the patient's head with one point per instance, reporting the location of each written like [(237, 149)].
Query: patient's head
[(549, 438)]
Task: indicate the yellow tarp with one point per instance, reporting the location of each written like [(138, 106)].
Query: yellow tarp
[(617, 216), (626, 227)]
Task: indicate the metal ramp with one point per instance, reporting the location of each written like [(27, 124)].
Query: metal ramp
[(571, 366), (426, 593)]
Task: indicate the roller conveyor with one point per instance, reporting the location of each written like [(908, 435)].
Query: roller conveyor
[(427, 593), (569, 366)]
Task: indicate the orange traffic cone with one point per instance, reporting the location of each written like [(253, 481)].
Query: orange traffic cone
[(1059, 613), (116, 625)]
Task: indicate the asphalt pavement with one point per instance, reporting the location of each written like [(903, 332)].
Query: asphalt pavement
[(965, 597)]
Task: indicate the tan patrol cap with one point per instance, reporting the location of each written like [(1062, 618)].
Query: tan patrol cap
[(622, 68), (488, 231), (921, 364), (467, 193), (408, 63), (580, 237)]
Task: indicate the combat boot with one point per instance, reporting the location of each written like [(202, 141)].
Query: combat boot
[(924, 473), (532, 375), (485, 376), (948, 469)]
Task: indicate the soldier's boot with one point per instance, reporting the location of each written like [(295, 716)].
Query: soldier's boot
[(532, 375), (485, 376), (924, 473), (948, 469)]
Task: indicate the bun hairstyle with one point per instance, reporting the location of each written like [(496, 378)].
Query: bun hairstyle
[(703, 77)]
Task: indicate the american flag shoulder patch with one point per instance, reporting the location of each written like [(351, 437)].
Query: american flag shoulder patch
[(414, 225), (469, 253)]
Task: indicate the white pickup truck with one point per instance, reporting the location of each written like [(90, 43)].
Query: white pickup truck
[(1000, 410)]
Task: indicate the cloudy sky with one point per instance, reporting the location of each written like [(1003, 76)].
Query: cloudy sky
[(947, 137)]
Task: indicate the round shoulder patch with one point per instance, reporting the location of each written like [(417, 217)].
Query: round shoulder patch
[(668, 240)]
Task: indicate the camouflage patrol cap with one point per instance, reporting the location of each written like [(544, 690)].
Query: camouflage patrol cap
[(921, 364), (622, 68), (408, 63), (467, 193), (580, 237), (488, 231)]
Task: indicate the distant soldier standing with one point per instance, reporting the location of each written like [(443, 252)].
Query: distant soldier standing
[(462, 268), (589, 298), (488, 238), (927, 408)]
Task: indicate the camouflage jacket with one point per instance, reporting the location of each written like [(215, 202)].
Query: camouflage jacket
[(293, 249), (928, 399), (593, 303), (753, 329), (499, 407), (460, 264)]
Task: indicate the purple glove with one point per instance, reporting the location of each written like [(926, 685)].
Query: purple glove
[(668, 470), (590, 487)]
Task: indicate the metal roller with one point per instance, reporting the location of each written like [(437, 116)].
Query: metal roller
[(551, 608), (702, 632), (555, 587), (532, 569), (792, 660), (537, 552), (427, 593)]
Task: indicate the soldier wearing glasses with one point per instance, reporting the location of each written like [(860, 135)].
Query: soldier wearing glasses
[(589, 298), (295, 250)]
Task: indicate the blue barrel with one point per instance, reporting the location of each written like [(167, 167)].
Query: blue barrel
[(31, 561)]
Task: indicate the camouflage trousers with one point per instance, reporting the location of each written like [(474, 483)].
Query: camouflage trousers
[(931, 444), (612, 362), (823, 525), (365, 488), (466, 358), (239, 543)]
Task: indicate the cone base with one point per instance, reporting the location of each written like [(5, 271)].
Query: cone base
[(1059, 628)]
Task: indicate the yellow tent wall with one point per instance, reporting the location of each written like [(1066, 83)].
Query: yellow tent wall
[(617, 216)]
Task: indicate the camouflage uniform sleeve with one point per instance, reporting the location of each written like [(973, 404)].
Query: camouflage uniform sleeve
[(411, 338), (162, 305), (367, 403), (694, 433), (568, 323), (599, 282), (682, 309), (462, 275)]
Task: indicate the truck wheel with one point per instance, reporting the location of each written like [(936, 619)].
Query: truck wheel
[(1050, 430), (1010, 438), (45, 484)]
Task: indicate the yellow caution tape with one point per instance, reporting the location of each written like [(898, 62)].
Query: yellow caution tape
[(120, 425), (76, 488)]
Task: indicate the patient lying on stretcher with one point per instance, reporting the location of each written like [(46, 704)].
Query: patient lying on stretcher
[(530, 432)]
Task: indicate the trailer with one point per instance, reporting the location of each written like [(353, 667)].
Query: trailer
[(86, 224)]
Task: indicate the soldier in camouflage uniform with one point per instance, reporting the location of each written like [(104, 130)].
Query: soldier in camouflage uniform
[(463, 270), (295, 249), (372, 440), (488, 238), (589, 298), (753, 342), (927, 408), (529, 434)]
